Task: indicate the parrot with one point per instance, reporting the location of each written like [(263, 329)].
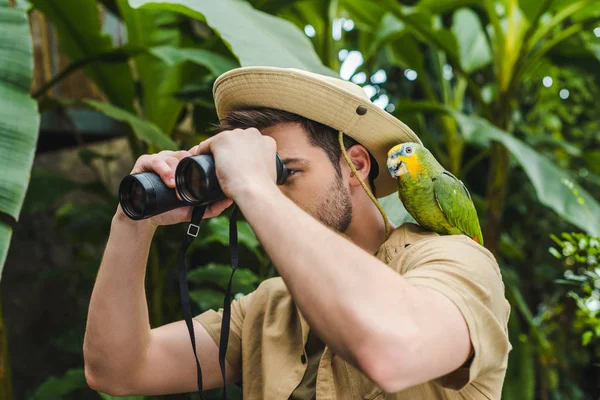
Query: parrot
[(434, 197)]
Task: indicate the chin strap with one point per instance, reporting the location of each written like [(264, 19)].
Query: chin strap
[(362, 183), (192, 232)]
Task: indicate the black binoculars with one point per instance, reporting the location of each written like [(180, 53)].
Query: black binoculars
[(144, 195)]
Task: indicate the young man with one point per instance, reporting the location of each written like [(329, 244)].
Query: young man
[(355, 314)]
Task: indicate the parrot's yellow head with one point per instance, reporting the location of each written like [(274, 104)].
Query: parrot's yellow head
[(403, 159)]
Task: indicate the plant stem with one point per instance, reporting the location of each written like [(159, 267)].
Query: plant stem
[(496, 194)]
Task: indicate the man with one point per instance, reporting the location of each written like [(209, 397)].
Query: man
[(355, 314)]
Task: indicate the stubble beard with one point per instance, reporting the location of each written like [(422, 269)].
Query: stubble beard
[(335, 208)]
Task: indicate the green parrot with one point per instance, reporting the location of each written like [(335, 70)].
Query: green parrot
[(434, 197)]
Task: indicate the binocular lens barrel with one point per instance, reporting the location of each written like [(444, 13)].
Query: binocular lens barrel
[(144, 195), (196, 180)]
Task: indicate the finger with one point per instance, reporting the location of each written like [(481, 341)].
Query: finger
[(204, 147), (141, 164), (172, 162), (181, 154), (217, 208), (167, 174)]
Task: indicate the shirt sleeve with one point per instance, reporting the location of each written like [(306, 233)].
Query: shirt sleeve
[(469, 276), (211, 321)]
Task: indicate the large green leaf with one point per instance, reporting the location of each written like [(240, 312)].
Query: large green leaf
[(551, 183), (147, 28), (19, 118), (78, 25), (555, 188), (144, 130), (442, 6), (395, 210), (215, 63), (60, 387), (473, 46), (256, 38), (424, 25)]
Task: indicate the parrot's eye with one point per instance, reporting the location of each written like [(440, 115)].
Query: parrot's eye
[(408, 150)]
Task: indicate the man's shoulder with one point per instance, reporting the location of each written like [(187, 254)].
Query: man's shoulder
[(410, 246)]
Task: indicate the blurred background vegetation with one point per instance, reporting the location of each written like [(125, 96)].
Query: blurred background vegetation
[(502, 91)]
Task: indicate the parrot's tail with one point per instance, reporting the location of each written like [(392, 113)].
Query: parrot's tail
[(364, 186)]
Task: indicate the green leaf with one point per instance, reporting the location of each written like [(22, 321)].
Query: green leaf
[(395, 211), (147, 28), (244, 280), (547, 178), (256, 38), (592, 160), (587, 338), (217, 230), (78, 25), (58, 388), (443, 6), (109, 397), (422, 23), (473, 46), (366, 14), (215, 63), (208, 299), (19, 118), (555, 188), (532, 9), (555, 252), (45, 188), (87, 223), (144, 130)]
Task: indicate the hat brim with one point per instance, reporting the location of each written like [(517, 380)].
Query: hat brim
[(314, 97)]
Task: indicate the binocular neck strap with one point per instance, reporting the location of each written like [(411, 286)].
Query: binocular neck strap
[(192, 232)]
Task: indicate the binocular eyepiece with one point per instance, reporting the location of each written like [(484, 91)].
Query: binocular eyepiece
[(144, 194)]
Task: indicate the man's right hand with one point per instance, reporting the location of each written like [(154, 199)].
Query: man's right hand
[(164, 164)]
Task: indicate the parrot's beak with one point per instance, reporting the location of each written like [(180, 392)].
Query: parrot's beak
[(394, 166)]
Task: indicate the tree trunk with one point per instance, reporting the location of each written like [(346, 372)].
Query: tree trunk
[(497, 183), (6, 392)]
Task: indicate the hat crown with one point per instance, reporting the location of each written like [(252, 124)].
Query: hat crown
[(345, 85)]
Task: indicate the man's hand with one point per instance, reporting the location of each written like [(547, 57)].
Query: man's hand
[(164, 164), (244, 158)]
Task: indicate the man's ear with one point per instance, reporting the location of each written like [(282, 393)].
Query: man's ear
[(361, 161)]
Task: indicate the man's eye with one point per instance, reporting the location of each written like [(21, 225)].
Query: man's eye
[(291, 171)]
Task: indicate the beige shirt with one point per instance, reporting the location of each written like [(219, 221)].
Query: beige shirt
[(268, 333)]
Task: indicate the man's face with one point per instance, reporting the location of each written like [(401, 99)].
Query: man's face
[(312, 183)]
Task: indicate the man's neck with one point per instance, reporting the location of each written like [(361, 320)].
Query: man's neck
[(367, 229)]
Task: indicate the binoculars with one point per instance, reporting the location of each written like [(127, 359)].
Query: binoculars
[(144, 194)]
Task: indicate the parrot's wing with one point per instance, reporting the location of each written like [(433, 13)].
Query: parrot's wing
[(455, 201)]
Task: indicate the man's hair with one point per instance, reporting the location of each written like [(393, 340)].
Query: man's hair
[(319, 135)]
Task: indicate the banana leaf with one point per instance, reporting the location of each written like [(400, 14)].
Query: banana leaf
[(19, 118)]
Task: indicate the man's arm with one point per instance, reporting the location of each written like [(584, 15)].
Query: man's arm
[(122, 354), (399, 334)]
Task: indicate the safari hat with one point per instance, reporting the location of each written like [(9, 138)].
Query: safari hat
[(337, 103)]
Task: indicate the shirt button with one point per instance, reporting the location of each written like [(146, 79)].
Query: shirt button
[(303, 359)]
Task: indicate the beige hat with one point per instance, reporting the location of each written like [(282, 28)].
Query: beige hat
[(334, 102)]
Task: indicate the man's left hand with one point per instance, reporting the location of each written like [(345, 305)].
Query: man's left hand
[(244, 159)]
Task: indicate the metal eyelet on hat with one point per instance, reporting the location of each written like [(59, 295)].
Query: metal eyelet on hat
[(361, 110)]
